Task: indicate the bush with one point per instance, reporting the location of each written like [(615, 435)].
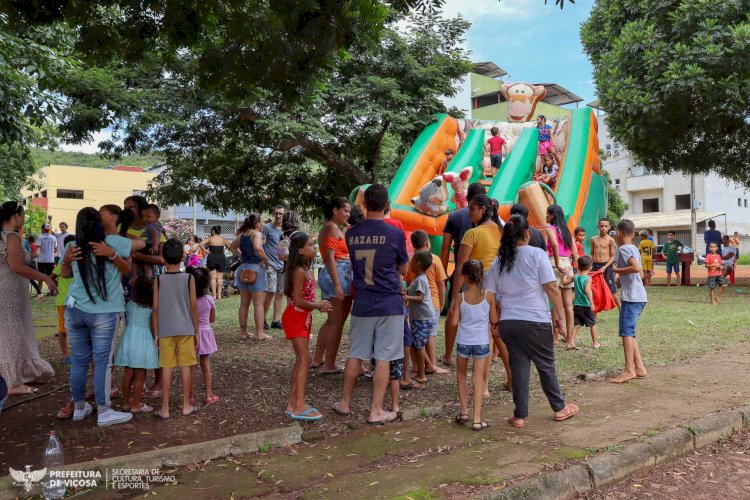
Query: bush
[(744, 259), (182, 229)]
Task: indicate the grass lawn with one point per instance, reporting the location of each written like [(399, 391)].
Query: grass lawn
[(677, 324)]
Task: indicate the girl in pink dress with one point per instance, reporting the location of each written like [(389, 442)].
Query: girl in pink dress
[(206, 341)]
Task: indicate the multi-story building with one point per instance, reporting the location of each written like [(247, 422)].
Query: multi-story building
[(661, 202)]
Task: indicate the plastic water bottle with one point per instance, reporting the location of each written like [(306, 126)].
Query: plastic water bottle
[(53, 459)]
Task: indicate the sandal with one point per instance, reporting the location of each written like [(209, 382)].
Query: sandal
[(66, 411), (143, 409), (462, 418), (153, 393), (157, 414), (479, 426), (518, 423), (390, 418), (193, 411), (411, 385), (567, 412), (305, 415)]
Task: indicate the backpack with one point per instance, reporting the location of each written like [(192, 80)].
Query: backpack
[(282, 247)]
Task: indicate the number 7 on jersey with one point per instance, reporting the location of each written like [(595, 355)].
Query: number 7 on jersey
[(369, 258)]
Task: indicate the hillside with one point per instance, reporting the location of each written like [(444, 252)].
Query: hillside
[(43, 157)]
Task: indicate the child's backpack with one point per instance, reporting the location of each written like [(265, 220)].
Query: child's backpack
[(282, 247)]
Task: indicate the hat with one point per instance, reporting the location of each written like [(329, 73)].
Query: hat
[(46, 226)]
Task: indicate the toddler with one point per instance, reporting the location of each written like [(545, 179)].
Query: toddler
[(151, 235), (715, 278), (583, 304), (548, 175), (421, 312)]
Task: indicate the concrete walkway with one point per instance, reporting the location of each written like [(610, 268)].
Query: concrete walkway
[(439, 458)]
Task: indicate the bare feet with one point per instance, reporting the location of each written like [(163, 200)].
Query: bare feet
[(436, 370), (597, 345), (22, 390), (642, 373), (263, 336), (486, 394), (623, 377)]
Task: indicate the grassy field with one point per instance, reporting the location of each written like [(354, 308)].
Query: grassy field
[(677, 324)]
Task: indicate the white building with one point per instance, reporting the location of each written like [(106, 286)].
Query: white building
[(662, 202)]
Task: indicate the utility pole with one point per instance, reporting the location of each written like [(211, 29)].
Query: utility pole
[(693, 217), (195, 221)]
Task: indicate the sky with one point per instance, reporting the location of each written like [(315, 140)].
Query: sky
[(533, 42)]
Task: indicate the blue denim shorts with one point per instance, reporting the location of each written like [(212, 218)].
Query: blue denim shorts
[(261, 283), (629, 314), (673, 268), (344, 270), (472, 351)]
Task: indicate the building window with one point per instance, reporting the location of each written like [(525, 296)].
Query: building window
[(682, 202), (745, 202), (71, 194), (617, 185), (650, 205), (609, 146), (617, 145), (739, 202)]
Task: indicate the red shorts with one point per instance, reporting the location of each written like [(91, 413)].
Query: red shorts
[(296, 323), (544, 147)]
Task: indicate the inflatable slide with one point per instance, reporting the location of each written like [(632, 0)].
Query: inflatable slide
[(422, 191)]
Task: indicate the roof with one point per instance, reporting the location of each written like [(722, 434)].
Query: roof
[(488, 69), (558, 95), (595, 104), (673, 220), (127, 168)]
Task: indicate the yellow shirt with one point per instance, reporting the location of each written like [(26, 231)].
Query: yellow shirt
[(484, 242), (647, 249)]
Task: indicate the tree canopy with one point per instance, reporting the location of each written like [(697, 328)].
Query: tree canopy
[(674, 78)]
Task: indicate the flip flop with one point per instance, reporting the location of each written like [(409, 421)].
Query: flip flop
[(518, 423), (336, 410), (570, 411), (143, 409), (482, 425), (157, 414), (288, 413), (154, 393), (391, 418), (193, 411), (575, 348), (305, 415)]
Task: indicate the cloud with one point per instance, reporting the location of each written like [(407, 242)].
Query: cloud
[(482, 10), (91, 147)]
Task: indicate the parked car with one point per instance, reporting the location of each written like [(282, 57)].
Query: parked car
[(658, 259)]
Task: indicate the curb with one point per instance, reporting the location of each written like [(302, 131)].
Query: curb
[(611, 467), (178, 456)]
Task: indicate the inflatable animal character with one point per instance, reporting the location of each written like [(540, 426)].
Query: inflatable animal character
[(460, 184), (432, 198), (522, 100)]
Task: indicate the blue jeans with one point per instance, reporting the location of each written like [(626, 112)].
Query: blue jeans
[(92, 337)]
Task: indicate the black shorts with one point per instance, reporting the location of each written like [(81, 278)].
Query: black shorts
[(45, 267), (496, 161), (609, 275), (583, 316)]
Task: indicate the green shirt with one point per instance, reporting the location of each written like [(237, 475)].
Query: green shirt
[(579, 285), (63, 285), (672, 250)]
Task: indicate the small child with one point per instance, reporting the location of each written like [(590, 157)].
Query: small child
[(580, 234), (176, 326), (436, 278), (583, 304), (628, 268), (63, 285), (549, 172), (421, 311), (299, 287), (715, 278), (137, 350), (151, 235), (207, 340), (545, 145), (646, 247), (496, 147), (476, 310)]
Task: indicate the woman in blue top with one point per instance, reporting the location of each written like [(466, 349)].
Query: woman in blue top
[(250, 245), (96, 262)]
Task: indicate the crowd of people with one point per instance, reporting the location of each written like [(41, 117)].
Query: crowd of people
[(507, 275)]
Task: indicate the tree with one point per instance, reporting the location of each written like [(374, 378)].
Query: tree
[(674, 78), (378, 98), (616, 206)]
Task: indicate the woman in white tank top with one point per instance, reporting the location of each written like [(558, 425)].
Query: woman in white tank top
[(476, 311)]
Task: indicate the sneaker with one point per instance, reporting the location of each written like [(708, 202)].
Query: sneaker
[(79, 415), (113, 417), (265, 325), (276, 325)]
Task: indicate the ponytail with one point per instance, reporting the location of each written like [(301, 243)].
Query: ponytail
[(514, 230)]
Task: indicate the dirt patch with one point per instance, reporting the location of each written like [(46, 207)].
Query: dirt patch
[(251, 379), (718, 471)]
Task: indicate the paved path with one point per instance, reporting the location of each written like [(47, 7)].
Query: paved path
[(441, 458)]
